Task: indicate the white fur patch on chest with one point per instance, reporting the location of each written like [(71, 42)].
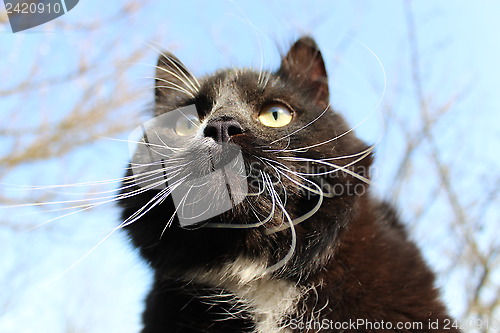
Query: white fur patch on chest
[(268, 300)]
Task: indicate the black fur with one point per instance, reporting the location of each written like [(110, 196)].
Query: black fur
[(353, 250)]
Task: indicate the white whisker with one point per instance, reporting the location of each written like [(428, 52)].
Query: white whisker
[(194, 87), (369, 149), (182, 69), (149, 173), (245, 19), (154, 202), (83, 257), (179, 88), (307, 215), (305, 126), (281, 263), (335, 166), (249, 225), (301, 149)]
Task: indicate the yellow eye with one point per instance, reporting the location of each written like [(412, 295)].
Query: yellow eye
[(275, 115), (187, 125)]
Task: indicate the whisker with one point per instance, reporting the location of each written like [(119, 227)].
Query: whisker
[(335, 166), (267, 76), (183, 71), (86, 199), (285, 168), (91, 206), (135, 179), (281, 263), (173, 149), (76, 263), (83, 257), (303, 127), (368, 115), (190, 120), (173, 88), (82, 184), (189, 84), (249, 225), (245, 19), (171, 219), (369, 149), (163, 162), (143, 210), (189, 93), (131, 141), (307, 215)]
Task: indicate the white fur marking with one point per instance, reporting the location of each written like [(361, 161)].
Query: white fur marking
[(269, 300)]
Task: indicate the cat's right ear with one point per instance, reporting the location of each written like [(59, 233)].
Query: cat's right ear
[(305, 64), (173, 81)]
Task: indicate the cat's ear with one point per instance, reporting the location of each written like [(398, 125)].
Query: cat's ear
[(305, 63), (173, 81)]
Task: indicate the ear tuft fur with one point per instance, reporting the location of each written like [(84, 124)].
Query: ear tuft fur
[(304, 62)]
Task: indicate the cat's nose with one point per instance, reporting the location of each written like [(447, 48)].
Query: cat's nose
[(222, 129)]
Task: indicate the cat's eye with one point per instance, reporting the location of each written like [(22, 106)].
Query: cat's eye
[(187, 125), (275, 115)]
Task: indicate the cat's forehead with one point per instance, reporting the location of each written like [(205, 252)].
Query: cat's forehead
[(236, 75), (231, 84)]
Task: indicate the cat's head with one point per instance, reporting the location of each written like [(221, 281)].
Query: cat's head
[(248, 164)]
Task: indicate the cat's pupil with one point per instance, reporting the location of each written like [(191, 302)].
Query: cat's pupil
[(275, 114)]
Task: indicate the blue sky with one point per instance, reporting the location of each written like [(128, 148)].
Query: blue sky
[(459, 50)]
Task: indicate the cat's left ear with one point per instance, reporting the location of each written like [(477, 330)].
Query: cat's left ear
[(305, 63), (173, 81)]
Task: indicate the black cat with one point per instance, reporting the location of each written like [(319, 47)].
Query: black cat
[(298, 244)]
